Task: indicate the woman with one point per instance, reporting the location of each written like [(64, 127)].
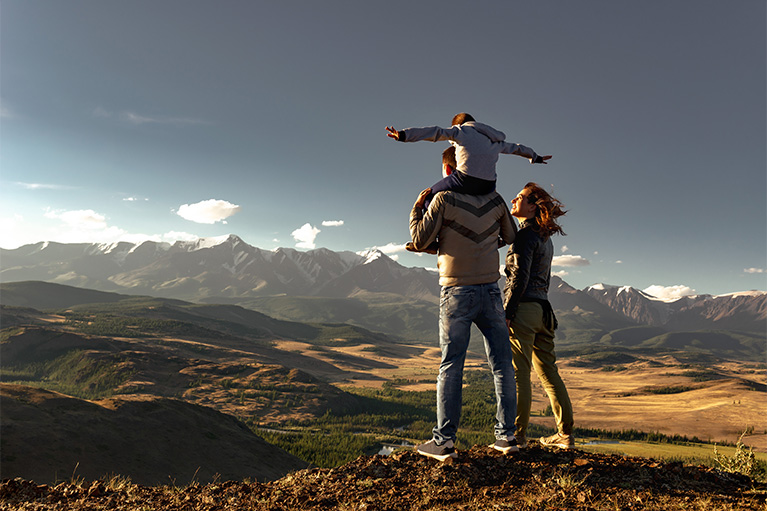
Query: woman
[(529, 314)]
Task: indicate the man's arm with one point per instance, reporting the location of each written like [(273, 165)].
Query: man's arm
[(508, 227), (424, 228)]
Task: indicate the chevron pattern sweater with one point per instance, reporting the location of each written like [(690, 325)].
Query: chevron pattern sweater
[(468, 228)]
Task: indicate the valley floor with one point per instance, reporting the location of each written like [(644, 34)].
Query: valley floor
[(661, 395)]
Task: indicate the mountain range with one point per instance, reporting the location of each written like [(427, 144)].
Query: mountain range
[(367, 288), (224, 267)]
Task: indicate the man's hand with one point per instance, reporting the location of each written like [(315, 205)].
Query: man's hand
[(392, 133), (421, 200), (545, 159), (508, 324)]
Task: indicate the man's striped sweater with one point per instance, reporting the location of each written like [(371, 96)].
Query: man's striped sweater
[(468, 228)]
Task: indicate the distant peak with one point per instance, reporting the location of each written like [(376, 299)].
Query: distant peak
[(601, 287), (371, 255), (753, 292), (201, 243), (108, 248)]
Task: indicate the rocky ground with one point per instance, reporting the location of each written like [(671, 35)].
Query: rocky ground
[(480, 478)]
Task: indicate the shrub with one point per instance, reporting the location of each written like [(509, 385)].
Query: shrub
[(743, 461)]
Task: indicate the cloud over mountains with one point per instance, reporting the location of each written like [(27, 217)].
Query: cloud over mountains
[(570, 260), (208, 211)]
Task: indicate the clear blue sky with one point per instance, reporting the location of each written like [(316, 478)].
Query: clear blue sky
[(144, 119)]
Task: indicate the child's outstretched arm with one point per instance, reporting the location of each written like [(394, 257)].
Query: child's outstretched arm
[(430, 133), (524, 151), (392, 133)]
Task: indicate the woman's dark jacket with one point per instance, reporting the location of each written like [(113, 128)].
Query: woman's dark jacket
[(528, 268)]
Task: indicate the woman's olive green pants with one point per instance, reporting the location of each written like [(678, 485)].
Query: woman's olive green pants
[(532, 346)]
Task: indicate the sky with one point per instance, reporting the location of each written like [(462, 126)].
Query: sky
[(172, 120)]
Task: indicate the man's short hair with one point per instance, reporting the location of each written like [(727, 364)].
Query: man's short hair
[(448, 158), (462, 118)]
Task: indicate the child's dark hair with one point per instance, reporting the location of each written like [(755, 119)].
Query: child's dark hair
[(462, 118)]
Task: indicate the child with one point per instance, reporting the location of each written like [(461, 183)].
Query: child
[(477, 147)]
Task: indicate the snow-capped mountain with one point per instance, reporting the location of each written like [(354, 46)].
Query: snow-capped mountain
[(632, 303), (739, 311), (209, 267), (229, 269)]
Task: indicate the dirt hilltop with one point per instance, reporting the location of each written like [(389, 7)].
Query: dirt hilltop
[(479, 479)]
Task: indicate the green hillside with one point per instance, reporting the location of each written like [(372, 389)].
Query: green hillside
[(403, 318), (47, 295), (726, 344)]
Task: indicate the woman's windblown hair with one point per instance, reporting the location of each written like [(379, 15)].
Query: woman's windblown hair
[(547, 210)]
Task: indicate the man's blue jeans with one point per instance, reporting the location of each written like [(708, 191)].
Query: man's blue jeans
[(460, 306)]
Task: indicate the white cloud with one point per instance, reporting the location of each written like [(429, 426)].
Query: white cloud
[(618, 262), (305, 236), (133, 199), (172, 236), (12, 233), (390, 249), (76, 226), (102, 113), (80, 226), (79, 219), (669, 293), (332, 223), (570, 260), (43, 186), (755, 270), (564, 249), (560, 274), (138, 119), (208, 211), (5, 112)]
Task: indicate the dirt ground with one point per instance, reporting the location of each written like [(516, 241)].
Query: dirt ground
[(478, 479)]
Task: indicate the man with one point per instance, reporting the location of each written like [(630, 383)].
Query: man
[(468, 227)]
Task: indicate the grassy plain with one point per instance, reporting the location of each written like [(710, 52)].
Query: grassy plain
[(661, 394), (688, 453)]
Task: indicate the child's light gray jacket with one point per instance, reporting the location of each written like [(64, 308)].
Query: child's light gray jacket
[(477, 146)]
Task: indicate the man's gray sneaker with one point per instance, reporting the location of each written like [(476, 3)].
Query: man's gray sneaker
[(559, 440), (439, 452), (506, 446)]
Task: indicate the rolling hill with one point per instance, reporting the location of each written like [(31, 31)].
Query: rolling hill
[(50, 437)]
